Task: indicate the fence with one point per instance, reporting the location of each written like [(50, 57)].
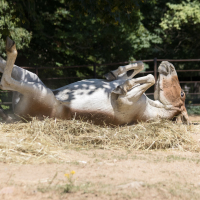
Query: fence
[(154, 61)]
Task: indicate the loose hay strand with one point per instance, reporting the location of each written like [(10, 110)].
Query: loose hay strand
[(47, 140)]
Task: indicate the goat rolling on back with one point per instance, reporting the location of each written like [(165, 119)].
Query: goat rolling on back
[(118, 100)]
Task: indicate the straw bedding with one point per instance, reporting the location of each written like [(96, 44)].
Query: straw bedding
[(48, 140)]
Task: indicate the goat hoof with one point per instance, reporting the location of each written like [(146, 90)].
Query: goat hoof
[(9, 44), (110, 76)]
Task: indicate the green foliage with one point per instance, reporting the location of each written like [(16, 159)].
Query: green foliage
[(193, 110), (10, 25), (60, 32), (109, 11), (176, 25), (63, 35), (143, 39), (180, 14)]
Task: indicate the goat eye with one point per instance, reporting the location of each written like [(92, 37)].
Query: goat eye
[(182, 94)]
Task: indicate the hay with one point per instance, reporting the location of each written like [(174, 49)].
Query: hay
[(48, 140)]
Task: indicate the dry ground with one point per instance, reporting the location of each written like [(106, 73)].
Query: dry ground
[(99, 173)]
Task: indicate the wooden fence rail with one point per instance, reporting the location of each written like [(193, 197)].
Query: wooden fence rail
[(95, 65)]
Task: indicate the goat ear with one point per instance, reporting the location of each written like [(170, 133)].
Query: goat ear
[(119, 90)]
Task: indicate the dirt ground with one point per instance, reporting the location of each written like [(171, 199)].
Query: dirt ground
[(194, 118), (106, 174)]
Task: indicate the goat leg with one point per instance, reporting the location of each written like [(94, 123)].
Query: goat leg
[(125, 72)]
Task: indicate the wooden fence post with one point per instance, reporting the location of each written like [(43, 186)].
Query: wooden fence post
[(36, 70), (94, 70), (155, 71)]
